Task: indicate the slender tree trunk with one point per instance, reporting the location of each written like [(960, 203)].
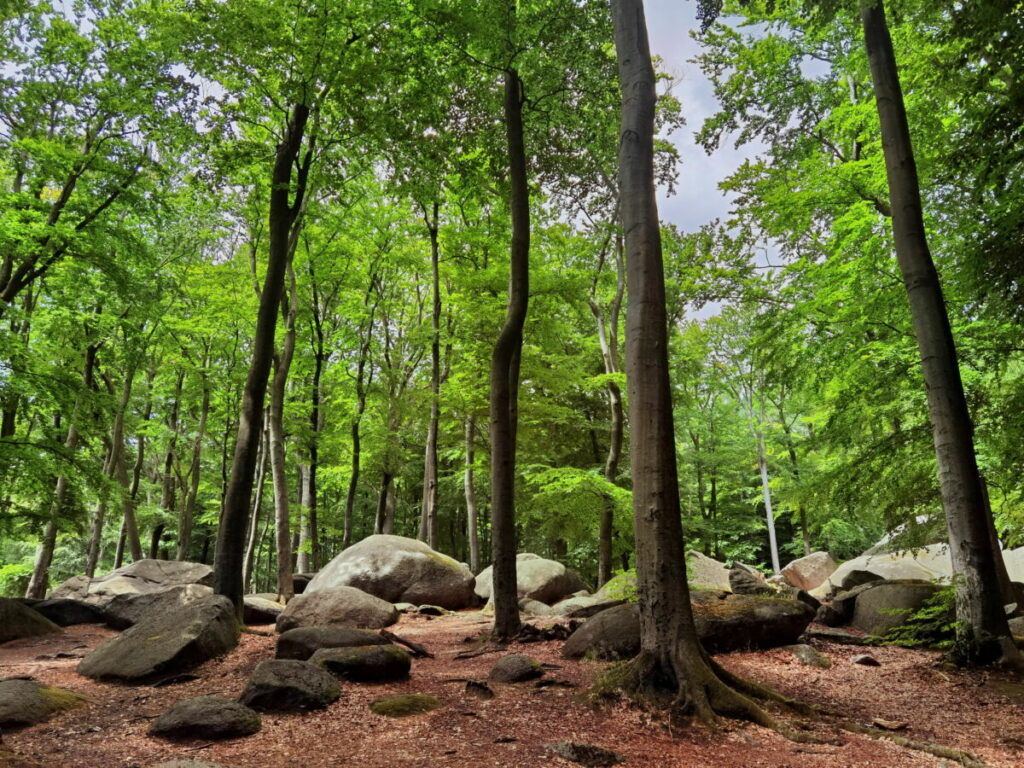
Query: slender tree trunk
[(230, 555), (428, 513), (302, 551), (982, 632), (122, 538), (671, 658), (471, 511), (278, 468), (380, 519), (11, 399), (167, 500), (505, 360), (189, 507), (766, 491), (254, 520)]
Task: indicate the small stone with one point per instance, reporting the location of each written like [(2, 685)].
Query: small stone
[(405, 705), (808, 655), (866, 660), (479, 690), (586, 754), (516, 668), (288, 685), (431, 610), (206, 717)]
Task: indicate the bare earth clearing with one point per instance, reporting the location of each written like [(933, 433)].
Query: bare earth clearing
[(976, 712)]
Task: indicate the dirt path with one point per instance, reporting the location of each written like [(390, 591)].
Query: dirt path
[(969, 711)]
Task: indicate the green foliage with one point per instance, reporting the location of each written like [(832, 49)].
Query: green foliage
[(931, 626), (14, 579)]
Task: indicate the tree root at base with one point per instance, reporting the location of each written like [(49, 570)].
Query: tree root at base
[(937, 750)]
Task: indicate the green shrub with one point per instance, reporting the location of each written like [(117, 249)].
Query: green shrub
[(933, 626)]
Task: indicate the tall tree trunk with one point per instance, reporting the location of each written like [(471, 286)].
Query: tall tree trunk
[(982, 632), (167, 496), (671, 659), (801, 509), (278, 468), (254, 520), (11, 399), (189, 507), (380, 517), (230, 554), (766, 492), (471, 512), (505, 360), (428, 509), (302, 550)]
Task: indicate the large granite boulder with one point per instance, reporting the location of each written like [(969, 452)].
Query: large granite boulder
[(340, 606), (810, 571), (582, 607), (725, 622), (166, 642), (930, 563), (884, 605), (747, 581), (18, 620), (130, 608), (398, 570), (365, 663), (65, 612), (142, 576), (26, 702), (619, 587), (302, 642), (546, 581), (704, 571), (257, 609), (289, 685), (206, 717)]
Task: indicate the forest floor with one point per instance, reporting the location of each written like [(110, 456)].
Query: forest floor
[(972, 711)]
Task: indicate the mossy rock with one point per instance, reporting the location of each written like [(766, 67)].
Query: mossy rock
[(365, 664), (26, 702), (405, 705)]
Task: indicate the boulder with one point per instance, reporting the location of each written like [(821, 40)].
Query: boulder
[(857, 578), (142, 576), (300, 581), (724, 622), (397, 569), (620, 587), (26, 702), (736, 622), (515, 668), (1017, 626), (546, 581), (162, 643), (704, 571), (344, 606), (302, 642), (883, 605), (930, 563), (582, 607), (65, 612), (130, 608), (432, 610), (288, 685), (745, 581), (612, 634), (810, 571), (808, 655), (18, 621), (260, 610), (365, 663), (839, 612), (206, 717), (534, 607)]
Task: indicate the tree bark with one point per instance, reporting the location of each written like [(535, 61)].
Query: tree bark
[(230, 554), (472, 532), (278, 468), (982, 632), (167, 500), (189, 507), (428, 508), (251, 540), (504, 405)]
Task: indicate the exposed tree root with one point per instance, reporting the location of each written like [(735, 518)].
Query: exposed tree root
[(938, 750)]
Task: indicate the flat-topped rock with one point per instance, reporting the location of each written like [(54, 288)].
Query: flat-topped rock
[(206, 717), (340, 606), (302, 642), (142, 576), (130, 608), (289, 685), (366, 663)]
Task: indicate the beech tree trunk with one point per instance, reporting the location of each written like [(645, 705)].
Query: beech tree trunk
[(278, 468), (428, 509), (982, 632), (230, 554), (471, 512), (188, 509), (504, 405), (257, 505), (167, 500)]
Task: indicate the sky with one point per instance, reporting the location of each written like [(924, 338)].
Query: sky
[(697, 199)]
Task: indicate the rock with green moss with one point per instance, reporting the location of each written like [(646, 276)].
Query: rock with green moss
[(26, 702), (516, 668), (173, 641), (340, 606), (365, 664), (206, 717), (399, 570), (289, 685), (405, 705), (302, 642), (537, 578), (18, 621), (808, 655)]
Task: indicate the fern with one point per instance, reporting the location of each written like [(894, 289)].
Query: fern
[(931, 626)]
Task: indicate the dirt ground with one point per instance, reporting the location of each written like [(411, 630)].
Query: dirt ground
[(976, 712)]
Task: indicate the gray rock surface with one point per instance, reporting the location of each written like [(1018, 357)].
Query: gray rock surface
[(582, 607), (743, 581), (398, 569), (260, 610), (18, 621), (883, 605), (546, 581), (302, 642), (26, 702), (365, 663), (172, 641), (515, 668), (810, 571), (130, 608), (142, 576), (535, 607), (344, 606), (206, 717), (288, 685), (808, 655), (65, 612), (612, 634)]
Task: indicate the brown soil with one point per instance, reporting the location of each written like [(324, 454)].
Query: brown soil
[(971, 711)]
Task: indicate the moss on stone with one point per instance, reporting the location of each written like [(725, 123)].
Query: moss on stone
[(405, 705), (58, 699)]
